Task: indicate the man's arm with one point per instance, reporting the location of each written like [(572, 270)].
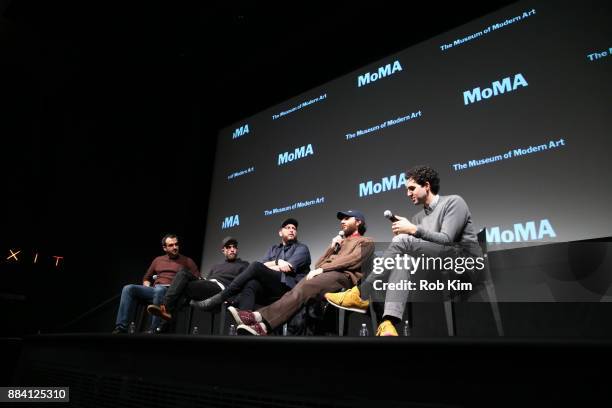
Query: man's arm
[(327, 253), (281, 266), (269, 259), (453, 222), (298, 259), (350, 261), (270, 256), (193, 268), (148, 276), (272, 265)]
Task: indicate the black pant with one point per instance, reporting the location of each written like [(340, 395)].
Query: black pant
[(259, 284), (186, 286)]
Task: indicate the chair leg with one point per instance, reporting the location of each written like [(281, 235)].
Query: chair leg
[(189, 319), (449, 312), (492, 297), (341, 319), (409, 314), (222, 318), (373, 317), (141, 317), (494, 308), (482, 240)]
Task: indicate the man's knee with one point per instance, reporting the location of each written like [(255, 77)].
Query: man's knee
[(128, 290), (258, 267), (185, 272), (253, 285), (254, 265), (405, 243), (308, 286), (402, 238)]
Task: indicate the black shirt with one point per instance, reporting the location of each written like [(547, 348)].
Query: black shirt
[(226, 272)]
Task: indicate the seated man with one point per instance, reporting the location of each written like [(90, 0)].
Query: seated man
[(186, 285), (442, 228), (165, 268), (284, 265), (339, 267)]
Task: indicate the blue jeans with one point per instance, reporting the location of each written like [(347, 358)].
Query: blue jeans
[(130, 294)]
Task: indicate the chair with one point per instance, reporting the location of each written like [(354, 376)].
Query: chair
[(342, 313), (217, 318), (449, 307), (343, 321), (141, 316), (221, 321)]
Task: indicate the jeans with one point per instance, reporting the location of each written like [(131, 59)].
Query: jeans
[(130, 294)]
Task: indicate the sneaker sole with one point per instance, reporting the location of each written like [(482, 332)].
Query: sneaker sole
[(235, 315), (157, 312), (352, 309), (243, 330)]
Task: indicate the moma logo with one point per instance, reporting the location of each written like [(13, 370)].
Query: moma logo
[(502, 86), (382, 72), (231, 221), (241, 131), (298, 153), (522, 232), (386, 184)]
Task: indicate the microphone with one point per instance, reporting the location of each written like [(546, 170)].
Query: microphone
[(389, 215), (337, 245)]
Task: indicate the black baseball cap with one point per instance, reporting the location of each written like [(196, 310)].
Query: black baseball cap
[(351, 213), (229, 240), (291, 221)]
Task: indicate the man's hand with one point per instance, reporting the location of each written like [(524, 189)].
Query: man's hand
[(146, 283), (314, 273), (284, 266), (403, 226), (272, 265), (337, 240)]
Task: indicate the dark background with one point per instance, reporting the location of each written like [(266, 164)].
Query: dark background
[(110, 112)]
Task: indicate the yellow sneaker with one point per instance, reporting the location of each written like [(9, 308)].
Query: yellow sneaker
[(348, 300), (386, 328)]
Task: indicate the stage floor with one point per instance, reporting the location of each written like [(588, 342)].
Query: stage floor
[(187, 371)]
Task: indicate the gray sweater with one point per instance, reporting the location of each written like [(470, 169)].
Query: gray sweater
[(448, 222)]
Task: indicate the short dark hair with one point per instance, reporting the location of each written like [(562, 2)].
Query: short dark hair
[(421, 174), (227, 241), (163, 241), (362, 228)]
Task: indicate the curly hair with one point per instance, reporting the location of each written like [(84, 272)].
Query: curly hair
[(421, 174)]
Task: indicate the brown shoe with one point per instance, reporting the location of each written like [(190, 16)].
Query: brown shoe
[(159, 311)]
